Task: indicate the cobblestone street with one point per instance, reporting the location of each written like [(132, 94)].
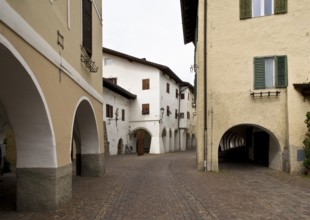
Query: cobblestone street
[(169, 187)]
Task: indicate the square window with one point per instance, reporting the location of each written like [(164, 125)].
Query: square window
[(270, 72), (145, 109), (145, 84), (262, 8)]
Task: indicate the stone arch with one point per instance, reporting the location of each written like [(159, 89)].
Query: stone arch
[(251, 142), (120, 146), (86, 139), (24, 109), (142, 139)]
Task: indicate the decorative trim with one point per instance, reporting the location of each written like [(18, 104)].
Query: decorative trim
[(13, 20)]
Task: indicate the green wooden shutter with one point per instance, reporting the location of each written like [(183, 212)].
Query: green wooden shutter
[(281, 72), (259, 73), (245, 9), (280, 6)]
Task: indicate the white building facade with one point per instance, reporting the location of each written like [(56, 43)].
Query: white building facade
[(155, 116)]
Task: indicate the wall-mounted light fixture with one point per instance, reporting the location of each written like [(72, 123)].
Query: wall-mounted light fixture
[(162, 110)]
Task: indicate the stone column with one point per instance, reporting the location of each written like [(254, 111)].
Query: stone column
[(43, 189), (92, 164)]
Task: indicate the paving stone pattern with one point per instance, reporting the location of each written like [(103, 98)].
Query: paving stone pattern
[(169, 187)]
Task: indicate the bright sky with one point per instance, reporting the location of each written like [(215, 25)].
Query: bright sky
[(150, 29)]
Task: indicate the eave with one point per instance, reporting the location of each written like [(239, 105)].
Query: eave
[(189, 12)]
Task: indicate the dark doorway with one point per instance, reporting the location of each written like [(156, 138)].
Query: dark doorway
[(261, 148)]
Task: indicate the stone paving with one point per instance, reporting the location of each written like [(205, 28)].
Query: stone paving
[(169, 187)]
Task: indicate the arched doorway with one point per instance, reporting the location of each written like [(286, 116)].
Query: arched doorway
[(85, 140), (193, 141), (164, 138), (120, 146), (26, 112), (250, 143), (143, 141)]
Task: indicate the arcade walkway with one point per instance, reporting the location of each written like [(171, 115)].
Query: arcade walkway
[(169, 187)]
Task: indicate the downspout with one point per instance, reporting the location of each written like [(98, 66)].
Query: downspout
[(205, 85)]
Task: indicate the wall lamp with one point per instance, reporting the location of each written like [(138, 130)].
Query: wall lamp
[(162, 110)]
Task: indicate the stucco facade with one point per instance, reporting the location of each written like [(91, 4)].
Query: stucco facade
[(227, 97), (163, 131), (49, 98)]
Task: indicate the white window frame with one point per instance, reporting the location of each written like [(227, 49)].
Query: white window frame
[(262, 8)]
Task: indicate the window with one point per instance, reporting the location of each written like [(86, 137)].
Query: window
[(145, 109), (188, 115), (123, 114), (145, 84), (87, 26), (256, 8), (182, 96), (113, 80), (182, 115), (177, 93), (168, 88), (270, 72), (168, 110), (109, 111), (107, 61), (176, 113)]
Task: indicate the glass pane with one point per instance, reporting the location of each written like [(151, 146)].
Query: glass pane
[(256, 8), (268, 7), (269, 72)]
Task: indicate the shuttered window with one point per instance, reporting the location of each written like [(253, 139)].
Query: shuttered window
[(270, 72), (109, 111), (168, 88), (280, 6), (145, 109), (256, 8), (145, 84), (87, 26), (245, 9), (123, 114), (176, 113)]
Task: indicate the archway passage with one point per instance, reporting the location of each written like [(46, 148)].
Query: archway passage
[(143, 141), (23, 107), (250, 144), (120, 146), (85, 141)]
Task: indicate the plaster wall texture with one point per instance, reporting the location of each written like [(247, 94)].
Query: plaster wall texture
[(232, 45), (129, 76), (58, 91), (119, 129)]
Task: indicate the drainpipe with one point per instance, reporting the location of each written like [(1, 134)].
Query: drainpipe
[(205, 85)]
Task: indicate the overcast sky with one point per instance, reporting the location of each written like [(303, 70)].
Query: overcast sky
[(150, 29)]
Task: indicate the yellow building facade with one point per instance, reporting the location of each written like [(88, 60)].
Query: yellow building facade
[(51, 95), (253, 68)]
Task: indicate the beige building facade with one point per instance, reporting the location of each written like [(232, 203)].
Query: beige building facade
[(51, 95), (253, 67)]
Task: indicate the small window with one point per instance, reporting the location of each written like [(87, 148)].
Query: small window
[(188, 115), (108, 61), (257, 8), (270, 72), (182, 115), (123, 114), (176, 113), (145, 84), (177, 93), (168, 88), (145, 109), (109, 111), (113, 80), (168, 110), (182, 96)]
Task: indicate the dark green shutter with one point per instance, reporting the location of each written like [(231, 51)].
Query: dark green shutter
[(87, 26), (245, 9), (259, 73), (280, 6), (281, 72)]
